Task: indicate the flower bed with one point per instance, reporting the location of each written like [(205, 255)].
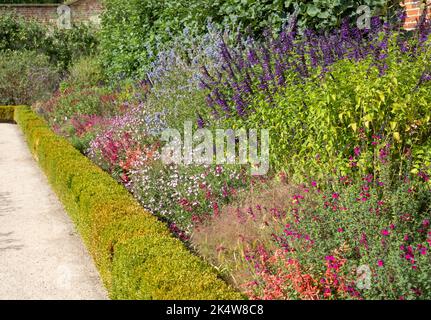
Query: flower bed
[(344, 211)]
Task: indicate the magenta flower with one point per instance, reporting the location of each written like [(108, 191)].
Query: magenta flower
[(297, 197), (357, 151), (424, 176), (353, 164), (369, 178), (335, 195), (376, 137), (385, 232), (364, 240), (422, 250), (380, 263)]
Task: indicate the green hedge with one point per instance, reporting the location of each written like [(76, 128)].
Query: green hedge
[(6, 114), (135, 253)]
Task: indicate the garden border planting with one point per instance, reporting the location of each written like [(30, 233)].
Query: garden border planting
[(135, 253)]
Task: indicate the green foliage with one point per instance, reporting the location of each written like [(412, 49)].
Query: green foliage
[(314, 125), (84, 72), (62, 46), (143, 269), (116, 229), (317, 14), (18, 34), (130, 30), (6, 114), (25, 77), (134, 31)]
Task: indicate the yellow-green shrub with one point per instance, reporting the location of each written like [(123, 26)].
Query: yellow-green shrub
[(135, 253), (6, 114), (159, 267)]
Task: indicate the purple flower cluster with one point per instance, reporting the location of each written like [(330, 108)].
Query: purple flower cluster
[(263, 67)]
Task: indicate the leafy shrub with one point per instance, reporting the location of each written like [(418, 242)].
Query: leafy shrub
[(325, 118), (62, 46), (26, 77), (133, 32), (130, 31), (317, 15), (18, 34)]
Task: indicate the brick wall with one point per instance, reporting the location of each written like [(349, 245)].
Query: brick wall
[(86, 10), (81, 11), (414, 10)]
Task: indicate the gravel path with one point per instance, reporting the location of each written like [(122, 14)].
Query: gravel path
[(41, 255)]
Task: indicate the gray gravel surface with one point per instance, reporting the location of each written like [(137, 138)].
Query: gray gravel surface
[(41, 255)]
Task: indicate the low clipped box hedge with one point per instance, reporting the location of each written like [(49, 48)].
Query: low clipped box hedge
[(135, 253), (6, 114)]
